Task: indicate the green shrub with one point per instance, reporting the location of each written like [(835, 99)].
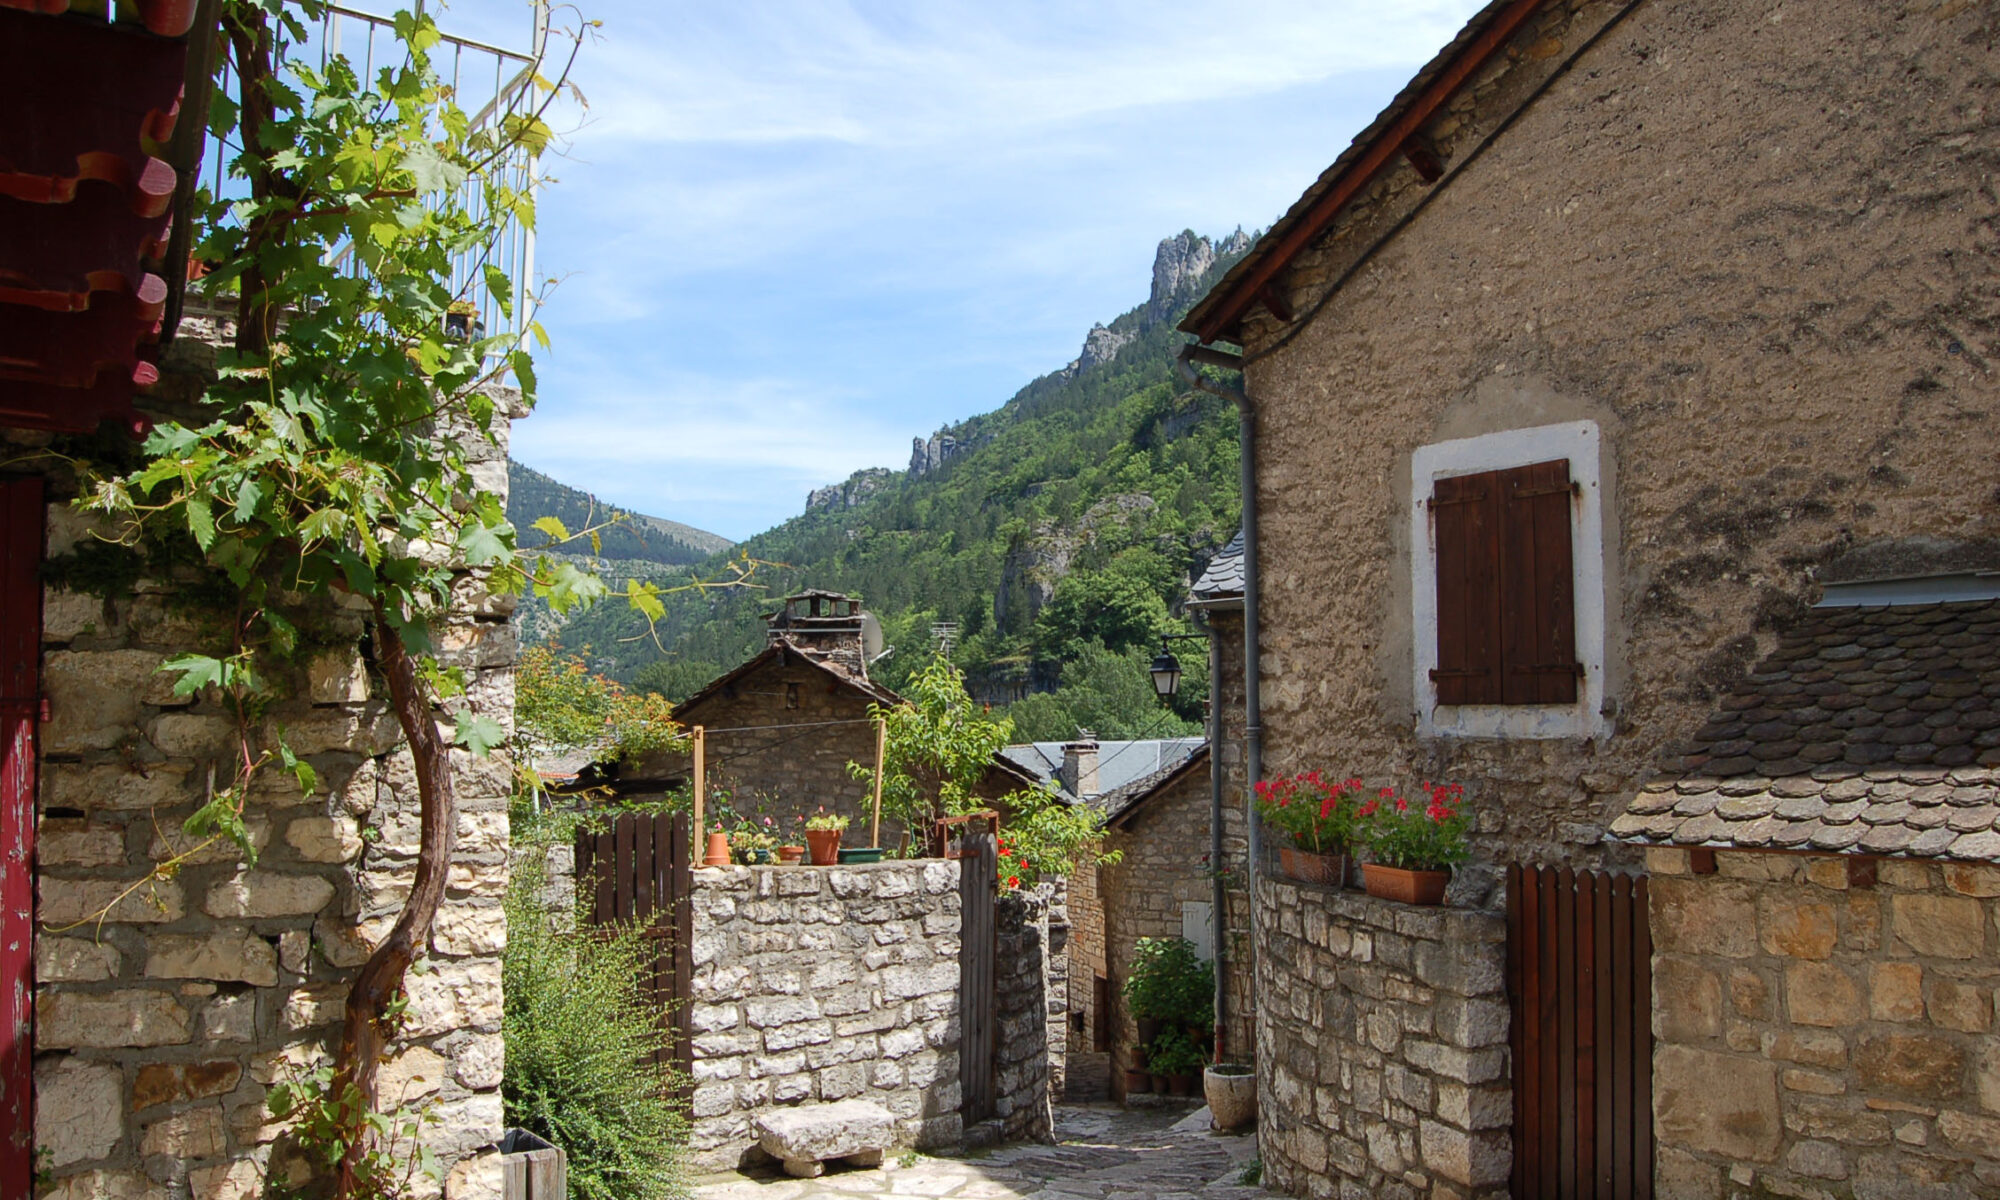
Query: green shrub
[(1170, 982), (581, 1033)]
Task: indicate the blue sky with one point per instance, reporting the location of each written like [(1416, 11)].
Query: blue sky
[(791, 236)]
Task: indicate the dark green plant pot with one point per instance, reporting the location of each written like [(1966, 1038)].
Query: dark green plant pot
[(860, 854), (758, 858)]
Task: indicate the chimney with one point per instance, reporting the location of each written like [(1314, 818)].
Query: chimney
[(1079, 766), (825, 626)]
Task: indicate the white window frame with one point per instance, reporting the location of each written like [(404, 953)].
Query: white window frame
[(1580, 443)]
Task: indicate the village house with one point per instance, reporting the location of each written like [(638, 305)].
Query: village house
[(143, 1066), (781, 729), (1601, 393)]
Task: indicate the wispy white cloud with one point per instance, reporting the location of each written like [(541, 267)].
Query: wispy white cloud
[(795, 233)]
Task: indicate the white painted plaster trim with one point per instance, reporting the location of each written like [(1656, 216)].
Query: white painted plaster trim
[(1579, 442)]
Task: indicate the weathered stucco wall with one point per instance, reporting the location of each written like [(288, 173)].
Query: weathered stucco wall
[(158, 1034), (1814, 1037), (825, 983), (1382, 1051), (1755, 245)]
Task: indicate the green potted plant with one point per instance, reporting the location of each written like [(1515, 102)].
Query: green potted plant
[(1175, 1056), (1318, 817), (1414, 849), (823, 830), (753, 846), (1169, 988)]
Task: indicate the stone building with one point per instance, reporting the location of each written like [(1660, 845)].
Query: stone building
[(155, 1032), (781, 728), (1624, 331)]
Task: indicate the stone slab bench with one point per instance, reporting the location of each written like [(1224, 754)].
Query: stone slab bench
[(807, 1136)]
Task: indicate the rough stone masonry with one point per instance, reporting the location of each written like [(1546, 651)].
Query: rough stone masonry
[(1382, 1047), (159, 1031), (825, 983)]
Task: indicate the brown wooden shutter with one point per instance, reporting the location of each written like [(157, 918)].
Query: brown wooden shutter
[(1506, 616), (1537, 610), (1465, 512)]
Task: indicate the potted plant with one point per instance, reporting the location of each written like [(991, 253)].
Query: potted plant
[(1174, 1056), (754, 846), (1231, 1092), (1318, 816), (794, 850), (791, 854), (1170, 992), (823, 830), (1414, 849)]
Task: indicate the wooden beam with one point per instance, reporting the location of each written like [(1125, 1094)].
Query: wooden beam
[(1861, 872), (1424, 157), (1386, 147), (1274, 299), (1701, 860)]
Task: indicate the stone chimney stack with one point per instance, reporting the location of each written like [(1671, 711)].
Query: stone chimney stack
[(825, 626), (1079, 767)]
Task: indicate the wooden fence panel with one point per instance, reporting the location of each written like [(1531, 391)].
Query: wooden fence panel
[(977, 889), (639, 871), (1579, 980)]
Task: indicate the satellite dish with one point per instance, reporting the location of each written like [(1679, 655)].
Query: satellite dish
[(871, 637)]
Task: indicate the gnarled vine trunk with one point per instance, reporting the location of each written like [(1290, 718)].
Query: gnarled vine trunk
[(362, 1035)]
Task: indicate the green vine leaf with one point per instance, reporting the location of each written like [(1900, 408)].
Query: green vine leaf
[(479, 734)]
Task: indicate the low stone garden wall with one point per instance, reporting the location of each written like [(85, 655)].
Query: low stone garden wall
[(825, 983), (1382, 1047), (1822, 1036)]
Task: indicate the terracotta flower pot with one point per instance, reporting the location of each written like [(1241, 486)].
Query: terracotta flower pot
[(1180, 1085), (825, 844), (1137, 1081), (1149, 1028), (1159, 1084), (791, 854), (1404, 885), (1326, 870), (718, 850)]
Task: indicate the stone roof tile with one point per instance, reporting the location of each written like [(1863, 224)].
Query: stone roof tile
[(1871, 730)]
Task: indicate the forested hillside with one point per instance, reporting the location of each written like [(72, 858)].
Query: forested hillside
[(1058, 533), (532, 495)]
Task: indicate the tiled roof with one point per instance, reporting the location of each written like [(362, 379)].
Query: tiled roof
[(1125, 801), (94, 112), (1869, 730), (1119, 763), (1224, 576)]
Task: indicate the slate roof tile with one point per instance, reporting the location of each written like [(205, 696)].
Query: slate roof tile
[(1872, 730)]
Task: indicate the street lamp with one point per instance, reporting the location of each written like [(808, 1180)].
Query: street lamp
[(1166, 668)]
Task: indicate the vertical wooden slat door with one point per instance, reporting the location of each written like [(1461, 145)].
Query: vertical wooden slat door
[(1579, 981), (978, 886), (639, 872), (20, 708)]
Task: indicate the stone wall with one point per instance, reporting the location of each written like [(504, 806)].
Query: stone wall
[(1164, 848), (1615, 255), (1240, 1001), (1819, 1038), (1086, 962), (1028, 1016), (1382, 1047), (825, 983), (159, 1032)]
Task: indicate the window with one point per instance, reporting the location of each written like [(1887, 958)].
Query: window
[(1507, 584), (1506, 623)]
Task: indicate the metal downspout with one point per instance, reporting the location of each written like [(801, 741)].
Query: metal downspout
[(1218, 897), (1253, 709)]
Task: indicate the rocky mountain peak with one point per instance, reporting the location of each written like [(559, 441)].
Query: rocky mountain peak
[(1179, 265)]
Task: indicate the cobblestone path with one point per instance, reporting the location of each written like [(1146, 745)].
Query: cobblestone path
[(1102, 1153)]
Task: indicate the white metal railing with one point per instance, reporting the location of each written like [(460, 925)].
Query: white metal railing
[(489, 81)]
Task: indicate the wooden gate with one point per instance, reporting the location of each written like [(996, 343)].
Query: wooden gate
[(978, 886), (638, 871), (20, 707), (1580, 981)]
